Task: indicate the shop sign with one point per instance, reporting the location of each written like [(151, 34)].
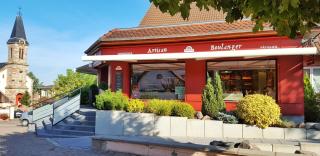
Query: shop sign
[(157, 50), (224, 46), (188, 49), (118, 68)]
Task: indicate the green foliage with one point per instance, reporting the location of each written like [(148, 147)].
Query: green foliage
[(212, 97), (227, 118), (217, 86), (160, 107), (311, 106), (103, 85), (26, 99), (109, 100), (36, 83), (170, 108), (259, 110), (285, 124), (287, 17), (183, 109), (135, 106), (208, 100), (73, 80)]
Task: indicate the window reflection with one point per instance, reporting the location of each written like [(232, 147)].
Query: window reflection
[(162, 81), (240, 78)]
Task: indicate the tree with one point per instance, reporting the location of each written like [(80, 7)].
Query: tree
[(74, 80), (287, 17), (36, 83), (208, 100), (218, 92), (26, 99)]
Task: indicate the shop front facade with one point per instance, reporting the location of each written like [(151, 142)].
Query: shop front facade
[(269, 65)]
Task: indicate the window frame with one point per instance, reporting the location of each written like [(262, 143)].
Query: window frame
[(311, 70)]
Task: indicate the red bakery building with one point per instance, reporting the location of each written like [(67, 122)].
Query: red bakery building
[(168, 58)]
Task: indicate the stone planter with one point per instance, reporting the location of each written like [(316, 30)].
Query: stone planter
[(109, 122), (232, 130)]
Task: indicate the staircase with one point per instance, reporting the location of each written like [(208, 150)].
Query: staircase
[(80, 123), (64, 117)]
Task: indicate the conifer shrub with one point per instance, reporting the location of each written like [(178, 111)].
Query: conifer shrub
[(260, 110), (109, 100), (183, 109), (135, 106), (212, 97), (227, 118), (311, 105)]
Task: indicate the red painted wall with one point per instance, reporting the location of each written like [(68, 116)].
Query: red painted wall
[(125, 69), (290, 85), (195, 80)]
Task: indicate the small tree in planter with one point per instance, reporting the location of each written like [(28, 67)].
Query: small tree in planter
[(208, 100), (212, 97), (26, 99), (311, 107), (218, 92)]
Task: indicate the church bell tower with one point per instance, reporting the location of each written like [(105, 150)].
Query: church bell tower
[(17, 66)]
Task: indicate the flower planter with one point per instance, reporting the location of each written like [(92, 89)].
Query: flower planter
[(109, 122)]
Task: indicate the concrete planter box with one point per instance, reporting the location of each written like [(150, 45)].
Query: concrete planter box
[(162, 126), (178, 126), (138, 124), (295, 133), (232, 130), (195, 128), (109, 122), (213, 128), (273, 133), (313, 134), (251, 132)]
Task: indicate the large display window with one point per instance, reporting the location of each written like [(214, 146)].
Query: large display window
[(240, 78), (160, 81), (314, 75)]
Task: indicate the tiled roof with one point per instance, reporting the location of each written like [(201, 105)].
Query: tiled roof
[(154, 17), (182, 30), (2, 64)]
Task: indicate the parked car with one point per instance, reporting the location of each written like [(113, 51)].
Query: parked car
[(18, 113), (26, 118)]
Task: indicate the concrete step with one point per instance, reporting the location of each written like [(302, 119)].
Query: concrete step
[(44, 133), (70, 132), (75, 127), (87, 112), (78, 116), (72, 121)]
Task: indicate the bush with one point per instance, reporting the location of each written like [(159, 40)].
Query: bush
[(160, 107), (135, 106), (183, 109), (26, 99), (311, 105), (4, 116), (170, 108), (227, 118), (212, 97), (109, 100), (259, 110)]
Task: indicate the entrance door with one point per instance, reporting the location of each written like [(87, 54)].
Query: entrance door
[(18, 99)]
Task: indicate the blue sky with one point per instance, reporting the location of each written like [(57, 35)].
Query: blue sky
[(59, 31)]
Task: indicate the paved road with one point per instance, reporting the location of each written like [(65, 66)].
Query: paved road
[(16, 141)]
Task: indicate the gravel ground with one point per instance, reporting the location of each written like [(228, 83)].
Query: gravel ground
[(16, 141)]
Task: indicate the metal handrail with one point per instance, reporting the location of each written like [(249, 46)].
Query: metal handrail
[(38, 104)]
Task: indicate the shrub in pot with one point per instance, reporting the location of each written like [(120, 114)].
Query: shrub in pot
[(135, 106), (227, 118), (4, 116), (259, 110), (311, 105), (183, 109)]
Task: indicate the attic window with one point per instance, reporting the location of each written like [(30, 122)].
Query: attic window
[(21, 51)]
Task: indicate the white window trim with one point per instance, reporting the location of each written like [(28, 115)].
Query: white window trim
[(311, 69)]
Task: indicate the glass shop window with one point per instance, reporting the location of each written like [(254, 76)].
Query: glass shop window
[(240, 78), (160, 81)]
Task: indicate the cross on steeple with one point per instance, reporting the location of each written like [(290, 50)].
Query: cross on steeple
[(19, 12)]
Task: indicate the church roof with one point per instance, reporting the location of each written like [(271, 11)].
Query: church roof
[(18, 33), (2, 64)]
